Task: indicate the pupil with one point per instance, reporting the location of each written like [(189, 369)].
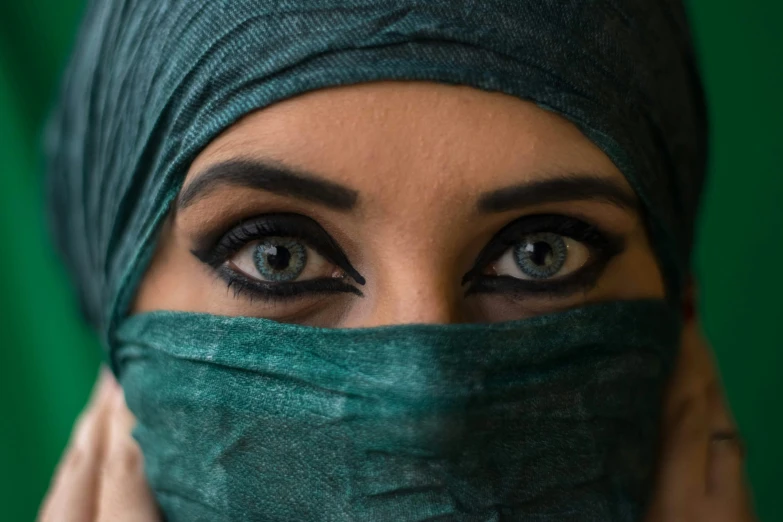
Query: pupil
[(540, 253), (278, 257)]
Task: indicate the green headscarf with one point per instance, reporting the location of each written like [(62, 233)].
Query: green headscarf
[(551, 418)]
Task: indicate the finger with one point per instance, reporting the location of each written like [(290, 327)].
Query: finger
[(686, 432), (727, 484), (75, 484), (685, 453), (124, 493), (696, 369), (725, 477), (694, 374)]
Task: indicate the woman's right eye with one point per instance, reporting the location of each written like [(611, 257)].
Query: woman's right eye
[(280, 259), (279, 256)]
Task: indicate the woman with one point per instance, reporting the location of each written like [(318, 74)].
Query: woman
[(374, 261)]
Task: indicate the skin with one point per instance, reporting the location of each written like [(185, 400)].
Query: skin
[(419, 157)]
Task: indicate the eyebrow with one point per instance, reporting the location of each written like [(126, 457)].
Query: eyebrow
[(574, 187), (270, 176)]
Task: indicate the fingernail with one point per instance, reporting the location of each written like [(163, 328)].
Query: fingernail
[(108, 378), (98, 387), (728, 441), (104, 387), (119, 396)]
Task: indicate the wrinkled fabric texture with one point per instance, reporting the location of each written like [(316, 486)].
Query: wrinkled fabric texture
[(551, 418)]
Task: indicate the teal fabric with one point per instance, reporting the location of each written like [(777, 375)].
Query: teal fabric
[(552, 418)]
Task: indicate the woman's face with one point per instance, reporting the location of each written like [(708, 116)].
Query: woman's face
[(400, 202)]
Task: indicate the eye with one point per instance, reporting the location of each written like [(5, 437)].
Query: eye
[(279, 256), (282, 260), (543, 255)]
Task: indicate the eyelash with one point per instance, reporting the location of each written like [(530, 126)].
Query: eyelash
[(216, 253), (603, 247)]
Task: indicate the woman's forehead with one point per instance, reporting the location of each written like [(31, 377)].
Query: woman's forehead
[(391, 138)]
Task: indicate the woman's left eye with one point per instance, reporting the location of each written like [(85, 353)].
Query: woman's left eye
[(543, 253), (541, 256), (282, 260)]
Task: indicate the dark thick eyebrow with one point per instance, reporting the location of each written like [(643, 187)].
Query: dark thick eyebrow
[(271, 176), (575, 187)]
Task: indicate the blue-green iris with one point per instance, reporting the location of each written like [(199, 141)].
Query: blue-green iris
[(280, 259), (541, 255)]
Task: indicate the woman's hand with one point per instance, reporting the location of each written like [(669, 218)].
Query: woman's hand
[(701, 475), (101, 476)]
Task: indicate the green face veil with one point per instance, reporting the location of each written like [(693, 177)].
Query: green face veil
[(549, 418)]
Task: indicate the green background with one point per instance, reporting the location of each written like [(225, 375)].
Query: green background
[(48, 359)]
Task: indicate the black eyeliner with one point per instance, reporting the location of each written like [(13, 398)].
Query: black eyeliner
[(214, 249), (603, 247), (242, 284), (581, 280)]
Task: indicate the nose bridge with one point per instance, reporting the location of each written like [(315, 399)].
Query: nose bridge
[(414, 290), (433, 304), (415, 276)]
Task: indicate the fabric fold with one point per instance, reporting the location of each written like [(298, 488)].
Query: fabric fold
[(526, 421)]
